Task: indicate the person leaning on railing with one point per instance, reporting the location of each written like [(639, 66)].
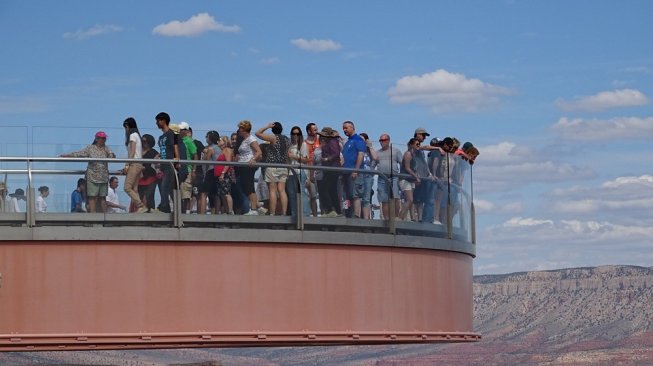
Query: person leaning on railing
[(97, 173)]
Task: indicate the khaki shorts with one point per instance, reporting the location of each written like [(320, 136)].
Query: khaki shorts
[(187, 188), (97, 189), (405, 185), (274, 175)]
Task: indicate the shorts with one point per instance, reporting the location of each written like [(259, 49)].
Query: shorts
[(223, 187), (274, 175), (354, 188), (97, 189), (405, 185), (383, 187), (246, 179), (208, 185), (186, 188)]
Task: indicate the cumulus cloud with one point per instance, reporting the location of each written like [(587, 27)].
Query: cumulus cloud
[(316, 45), (483, 206), (625, 198), (506, 166), (444, 92), (605, 100), (528, 243), (597, 129), (98, 30), (194, 26)]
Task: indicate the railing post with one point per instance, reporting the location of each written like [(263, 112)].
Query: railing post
[(30, 209), (392, 225), (177, 208)]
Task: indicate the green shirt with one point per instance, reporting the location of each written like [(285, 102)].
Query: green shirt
[(191, 150)]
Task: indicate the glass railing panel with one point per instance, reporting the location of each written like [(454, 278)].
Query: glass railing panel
[(449, 196)]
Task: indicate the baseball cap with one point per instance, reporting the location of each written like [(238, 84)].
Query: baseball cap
[(101, 134), (184, 126)]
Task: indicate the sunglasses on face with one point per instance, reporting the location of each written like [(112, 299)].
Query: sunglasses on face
[(384, 140)]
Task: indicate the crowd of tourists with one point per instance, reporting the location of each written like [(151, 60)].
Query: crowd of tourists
[(415, 181)]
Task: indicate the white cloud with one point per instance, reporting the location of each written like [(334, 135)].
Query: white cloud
[(194, 26), (483, 206), (487, 207), (269, 60), (605, 100), (597, 129), (521, 222), (645, 180), (316, 45), (507, 166), (525, 244), (98, 30), (627, 198), (444, 91)]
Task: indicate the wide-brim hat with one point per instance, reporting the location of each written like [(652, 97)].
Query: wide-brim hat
[(422, 130), (327, 132)]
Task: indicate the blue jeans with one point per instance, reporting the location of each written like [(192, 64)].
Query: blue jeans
[(368, 181), (429, 200), (292, 188)]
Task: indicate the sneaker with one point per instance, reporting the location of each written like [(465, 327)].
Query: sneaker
[(262, 211), (331, 214), (437, 222), (142, 209), (154, 210), (251, 213)]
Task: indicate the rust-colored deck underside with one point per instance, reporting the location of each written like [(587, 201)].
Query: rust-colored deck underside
[(112, 294)]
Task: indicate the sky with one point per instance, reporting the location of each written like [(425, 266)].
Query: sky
[(555, 94)]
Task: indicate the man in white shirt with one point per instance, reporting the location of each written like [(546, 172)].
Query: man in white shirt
[(113, 204)]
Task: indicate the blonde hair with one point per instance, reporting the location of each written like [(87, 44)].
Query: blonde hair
[(245, 125), (456, 142), (226, 140)]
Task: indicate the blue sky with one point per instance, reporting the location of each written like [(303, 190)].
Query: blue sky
[(556, 95)]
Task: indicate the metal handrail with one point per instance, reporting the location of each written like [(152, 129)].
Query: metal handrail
[(177, 220)]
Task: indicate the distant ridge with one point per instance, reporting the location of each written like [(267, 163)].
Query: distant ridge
[(575, 316)]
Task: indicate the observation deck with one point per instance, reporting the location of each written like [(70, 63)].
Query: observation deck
[(90, 281)]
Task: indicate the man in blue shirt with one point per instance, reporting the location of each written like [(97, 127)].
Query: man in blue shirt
[(353, 153), (77, 197)]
